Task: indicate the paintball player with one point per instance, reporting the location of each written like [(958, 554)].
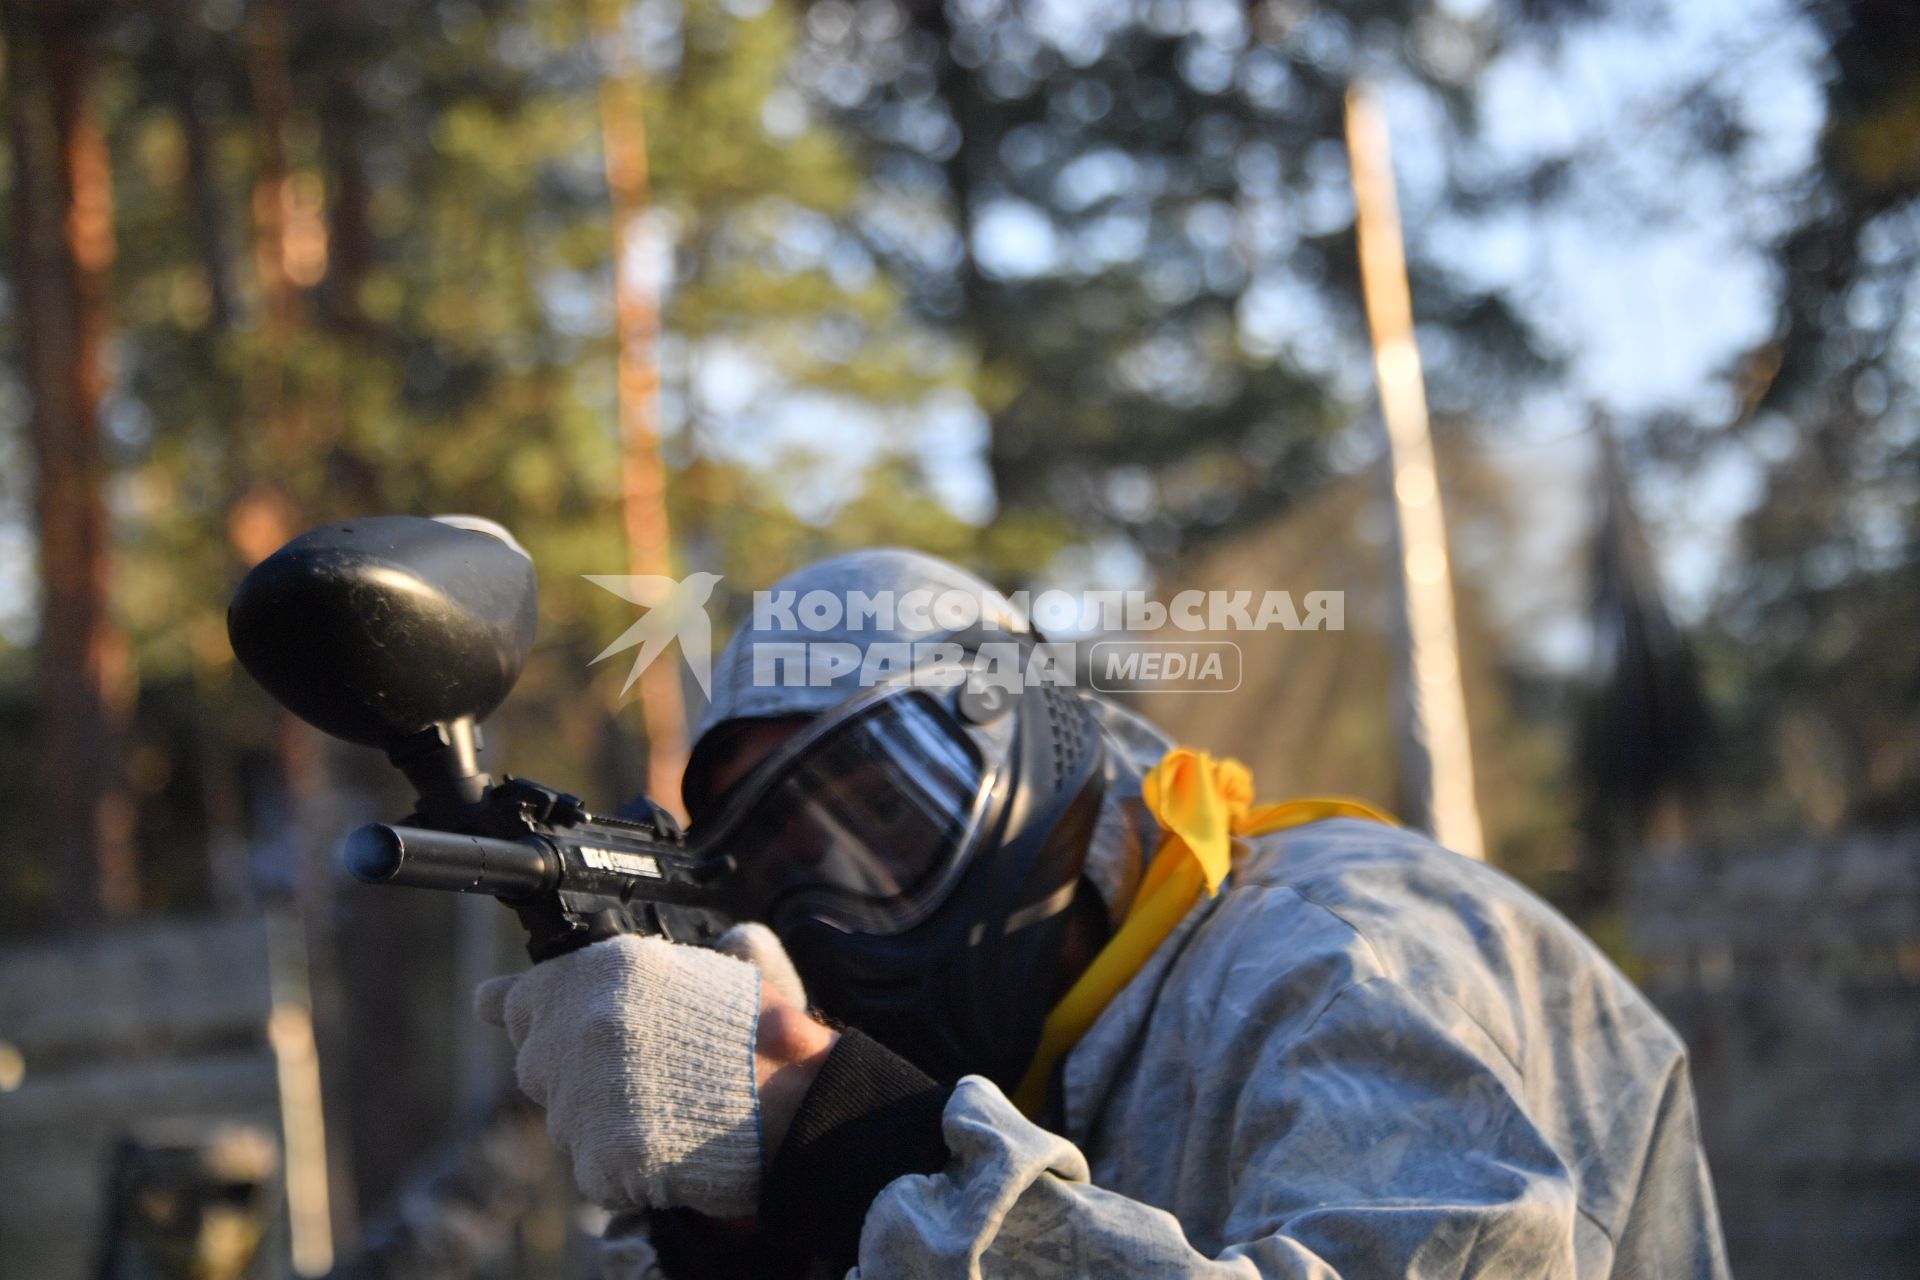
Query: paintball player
[(1039, 993)]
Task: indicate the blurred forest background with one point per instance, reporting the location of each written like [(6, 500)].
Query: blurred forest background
[(1064, 291)]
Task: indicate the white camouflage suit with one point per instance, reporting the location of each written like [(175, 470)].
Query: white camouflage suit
[(1365, 1057)]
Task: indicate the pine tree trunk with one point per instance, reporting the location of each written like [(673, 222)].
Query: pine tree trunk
[(289, 251), (63, 212), (643, 474)]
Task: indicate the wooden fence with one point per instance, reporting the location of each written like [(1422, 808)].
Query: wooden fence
[(1793, 972), (158, 1021)]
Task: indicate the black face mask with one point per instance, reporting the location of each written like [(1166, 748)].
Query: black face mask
[(966, 987)]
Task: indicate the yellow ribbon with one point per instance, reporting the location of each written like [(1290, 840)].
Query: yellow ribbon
[(1201, 804)]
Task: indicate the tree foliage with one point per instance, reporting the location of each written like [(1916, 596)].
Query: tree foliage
[(1138, 216), (1814, 637), (365, 267)]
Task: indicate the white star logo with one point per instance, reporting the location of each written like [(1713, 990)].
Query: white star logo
[(675, 610)]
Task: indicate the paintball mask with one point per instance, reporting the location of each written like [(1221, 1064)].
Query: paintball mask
[(917, 848)]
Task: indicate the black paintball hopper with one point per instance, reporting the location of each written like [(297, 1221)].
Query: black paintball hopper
[(397, 632)]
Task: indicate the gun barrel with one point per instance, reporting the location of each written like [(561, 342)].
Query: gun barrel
[(421, 858)]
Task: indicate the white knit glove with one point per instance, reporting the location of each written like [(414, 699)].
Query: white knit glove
[(760, 947), (642, 1053)]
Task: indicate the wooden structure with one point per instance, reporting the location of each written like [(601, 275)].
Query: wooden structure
[(1793, 971), (161, 1021)]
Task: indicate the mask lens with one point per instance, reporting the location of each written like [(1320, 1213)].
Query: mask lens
[(874, 808)]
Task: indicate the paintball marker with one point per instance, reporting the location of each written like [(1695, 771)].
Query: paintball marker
[(403, 633)]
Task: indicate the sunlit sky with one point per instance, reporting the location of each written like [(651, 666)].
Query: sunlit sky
[(1646, 310), (1645, 285), (1644, 281)]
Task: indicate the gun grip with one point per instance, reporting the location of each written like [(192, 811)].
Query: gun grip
[(610, 922)]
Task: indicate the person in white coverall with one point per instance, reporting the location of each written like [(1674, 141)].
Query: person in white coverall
[(1072, 1002)]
